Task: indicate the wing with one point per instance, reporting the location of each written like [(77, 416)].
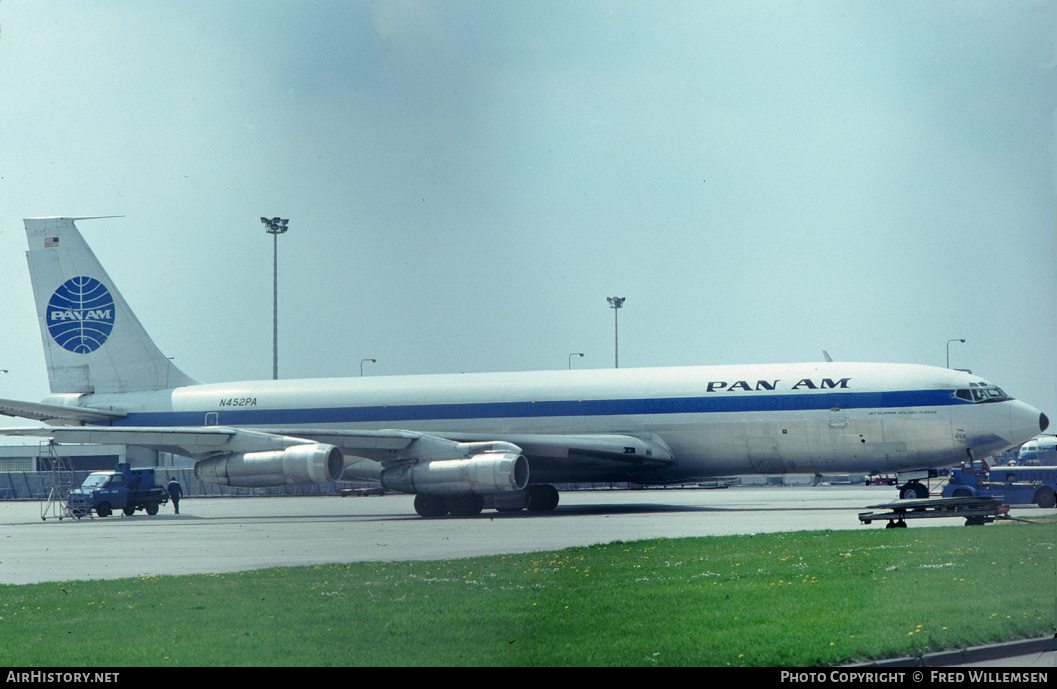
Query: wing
[(225, 456), (589, 458), (232, 455), (552, 458)]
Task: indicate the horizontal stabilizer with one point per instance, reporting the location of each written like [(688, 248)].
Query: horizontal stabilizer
[(191, 441), (57, 413)]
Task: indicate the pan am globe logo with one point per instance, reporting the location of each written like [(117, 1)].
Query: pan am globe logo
[(81, 315)]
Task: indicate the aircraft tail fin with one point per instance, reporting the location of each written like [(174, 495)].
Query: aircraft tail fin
[(93, 342)]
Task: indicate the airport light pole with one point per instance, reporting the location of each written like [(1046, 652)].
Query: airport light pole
[(949, 350), (579, 354), (276, 227), (616, 303), (363, 361)]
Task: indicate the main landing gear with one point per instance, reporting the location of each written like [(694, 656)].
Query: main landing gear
[(535, 498)]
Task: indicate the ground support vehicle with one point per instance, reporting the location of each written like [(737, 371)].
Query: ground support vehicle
[(976, 510), (124, 489), (1015, 485)]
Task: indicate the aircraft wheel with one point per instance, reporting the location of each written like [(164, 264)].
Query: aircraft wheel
[(431, 505), (467, 505), (542, 498)]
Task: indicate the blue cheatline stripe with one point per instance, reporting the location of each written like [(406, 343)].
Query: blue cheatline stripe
[(504, 410)]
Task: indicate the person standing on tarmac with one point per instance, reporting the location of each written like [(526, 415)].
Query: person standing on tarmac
[(175, 493)]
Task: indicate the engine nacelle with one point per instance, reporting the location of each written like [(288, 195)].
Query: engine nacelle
[(491, 472), (297, 465)]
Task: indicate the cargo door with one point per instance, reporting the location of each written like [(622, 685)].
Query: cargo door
[(838, 418)]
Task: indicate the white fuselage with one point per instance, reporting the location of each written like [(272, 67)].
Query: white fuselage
[(717, 420)]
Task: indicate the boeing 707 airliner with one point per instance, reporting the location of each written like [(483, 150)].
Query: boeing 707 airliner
[(465, 442)]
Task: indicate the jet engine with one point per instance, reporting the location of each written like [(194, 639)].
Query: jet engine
[(490, 472), (296, 465)]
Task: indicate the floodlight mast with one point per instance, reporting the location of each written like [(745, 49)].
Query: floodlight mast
[(957, 339), (275, 227), (616, 303)]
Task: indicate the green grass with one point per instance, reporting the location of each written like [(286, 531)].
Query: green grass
[(794, 599)]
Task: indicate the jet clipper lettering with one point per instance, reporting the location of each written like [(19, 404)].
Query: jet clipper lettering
[(465, 442)]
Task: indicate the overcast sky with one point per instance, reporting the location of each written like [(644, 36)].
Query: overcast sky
[(467, 182)]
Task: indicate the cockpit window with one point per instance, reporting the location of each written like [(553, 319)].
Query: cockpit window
[(982, 392)]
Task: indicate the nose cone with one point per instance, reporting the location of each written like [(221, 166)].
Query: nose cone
[(1025, 422)]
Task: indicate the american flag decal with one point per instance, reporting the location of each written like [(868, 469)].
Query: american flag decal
[(51, 242)]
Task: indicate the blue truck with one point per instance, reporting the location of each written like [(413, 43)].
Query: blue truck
[(1016, 485), (124, 489)]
